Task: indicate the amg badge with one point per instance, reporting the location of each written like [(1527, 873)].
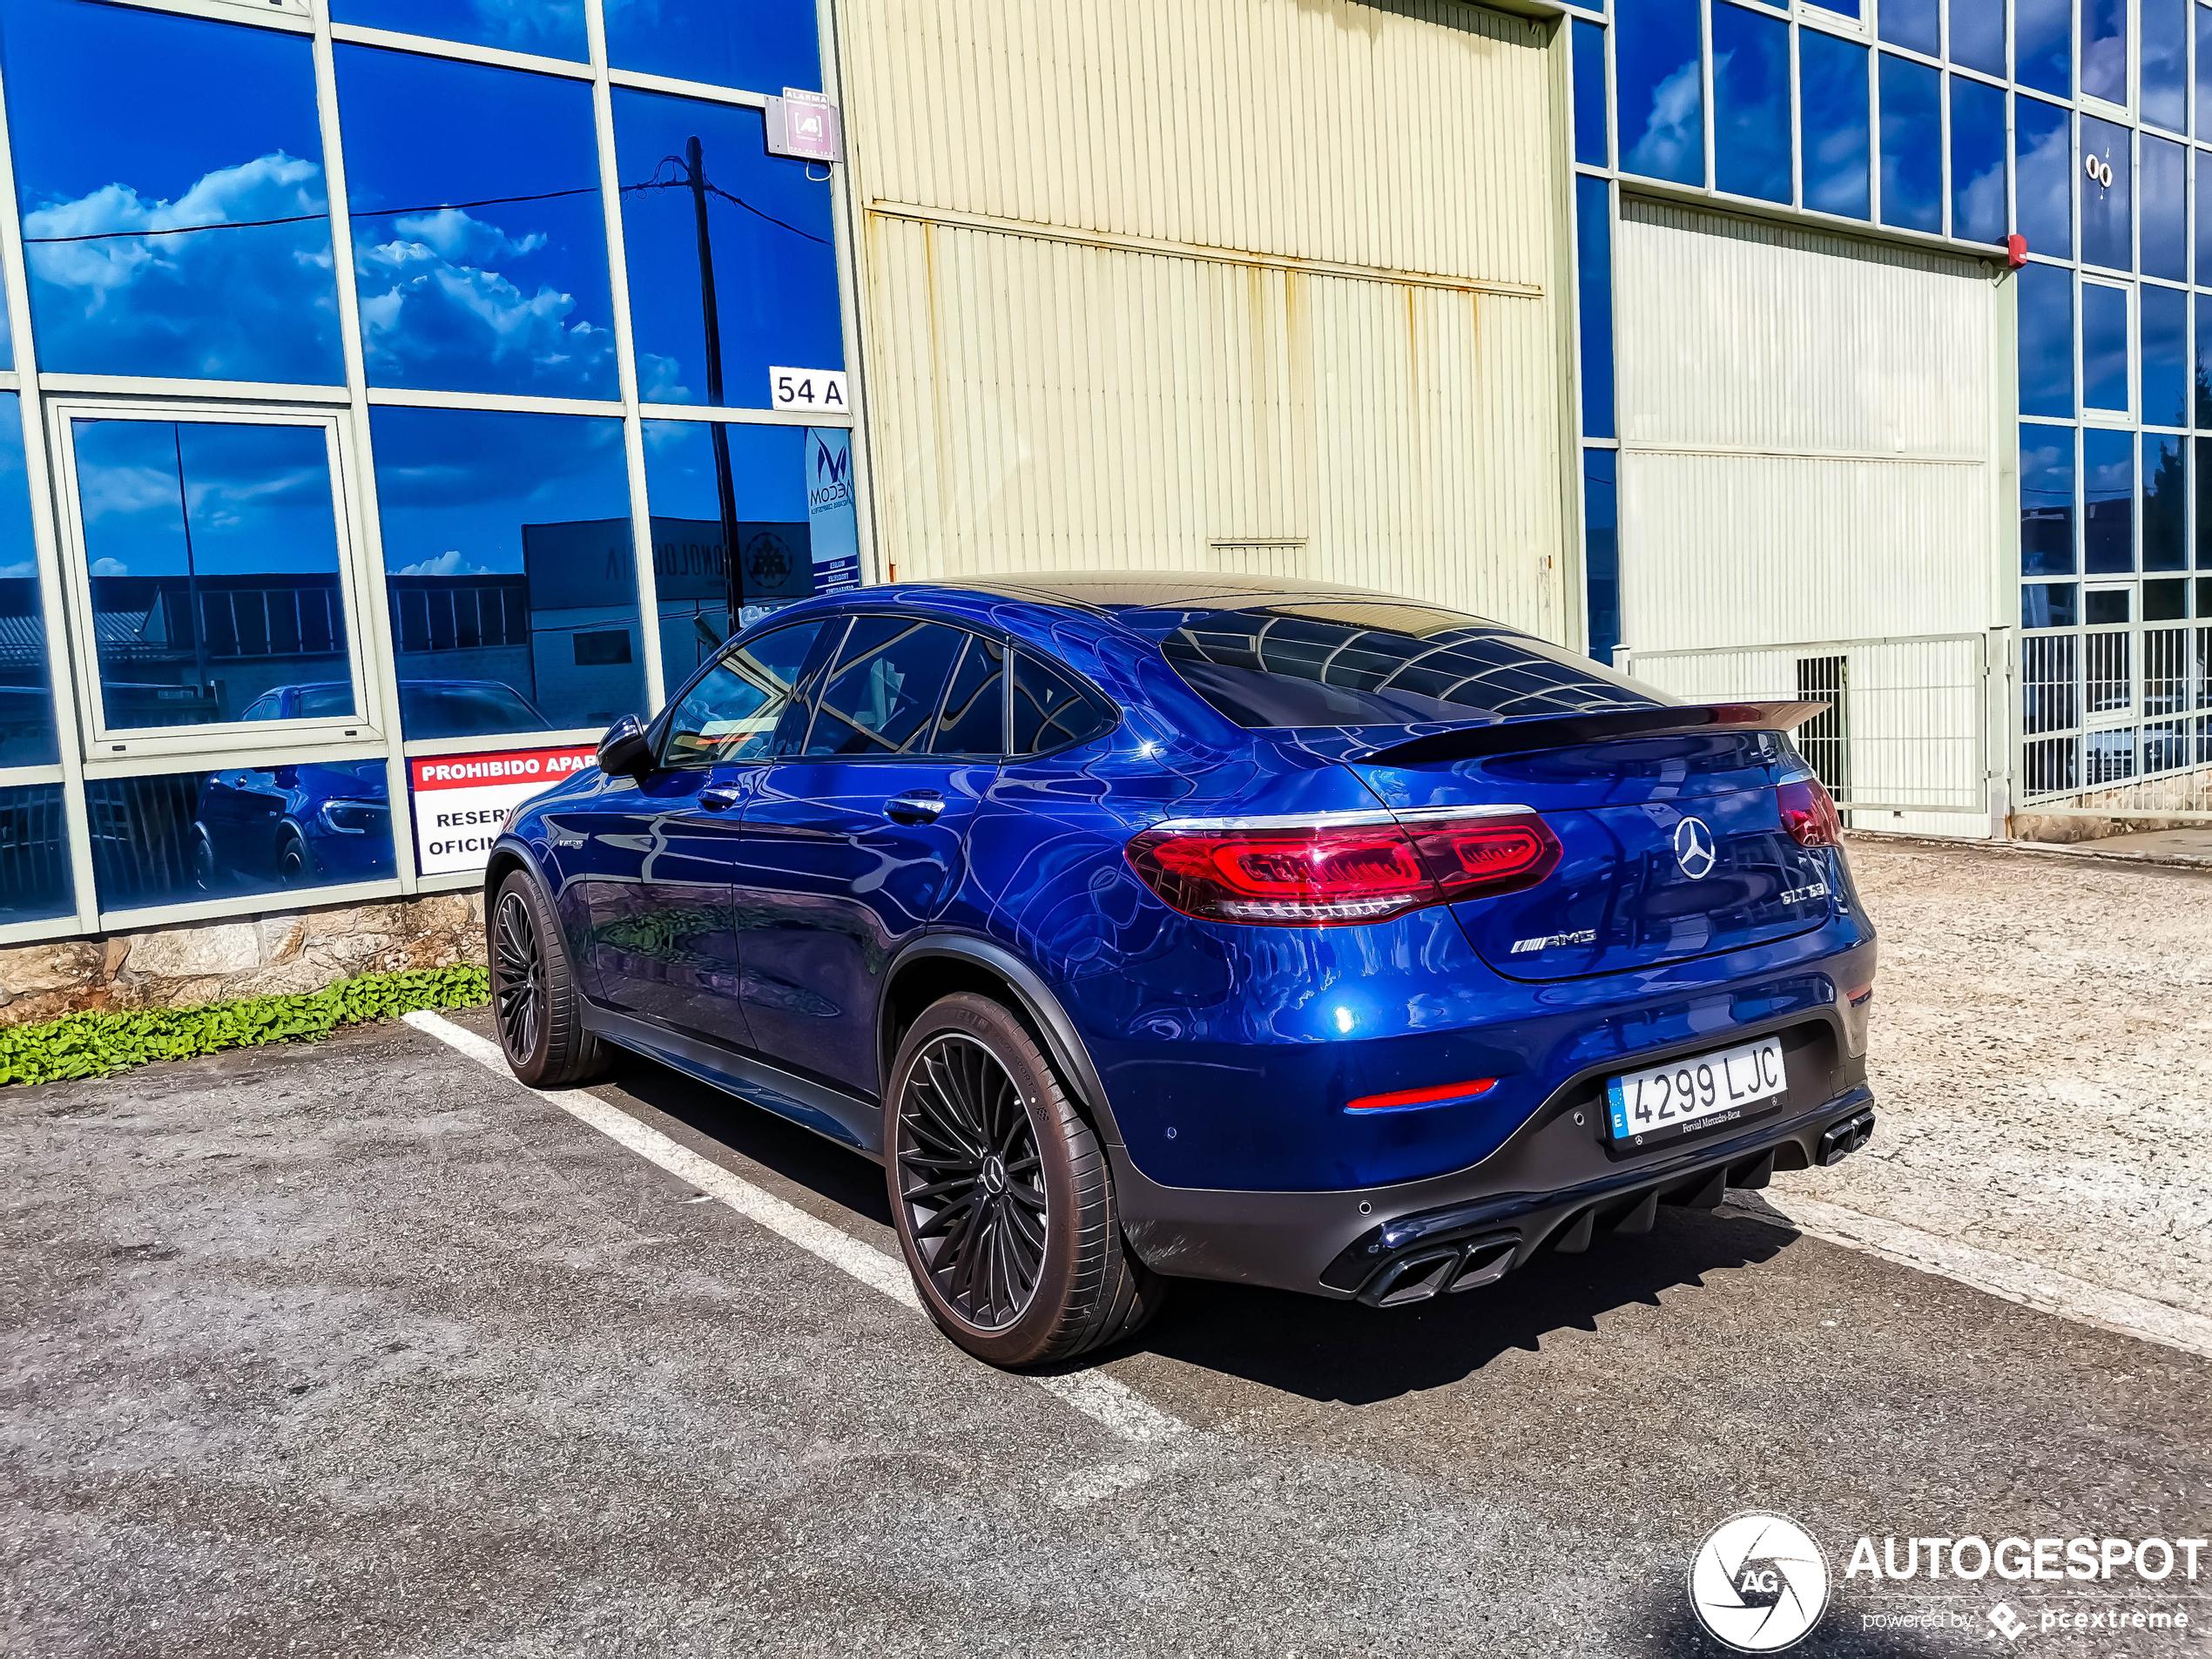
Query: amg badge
[(1587, 937)]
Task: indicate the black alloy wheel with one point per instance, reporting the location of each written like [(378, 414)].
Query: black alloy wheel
[(1002, 1193), (973, 1182), (518, 977)]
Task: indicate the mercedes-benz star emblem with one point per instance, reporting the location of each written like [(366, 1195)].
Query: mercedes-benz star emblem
[(1694, 848)]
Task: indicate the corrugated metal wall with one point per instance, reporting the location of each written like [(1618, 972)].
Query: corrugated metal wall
[(1259, 285), (1808, 427)]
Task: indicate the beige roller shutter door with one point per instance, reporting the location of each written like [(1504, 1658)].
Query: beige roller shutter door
[(1247, 285), (1812, 430)]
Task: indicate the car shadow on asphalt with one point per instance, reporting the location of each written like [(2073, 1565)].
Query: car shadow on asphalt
[(798, 1154), (1357, 1355), (1323, 1350)]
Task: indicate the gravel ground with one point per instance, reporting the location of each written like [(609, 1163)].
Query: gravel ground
[(2042, 1062)]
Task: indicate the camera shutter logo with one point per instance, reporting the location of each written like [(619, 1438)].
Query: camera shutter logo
[(1758, 1582), (1694, 848)]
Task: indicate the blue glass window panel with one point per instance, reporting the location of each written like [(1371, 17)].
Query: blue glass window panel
[(34, 855), (2204, 523), (2166, 209), (2108, 213), (1977, 161), (2104, 49), (2165, 355), (767, 467), (2203, 247), (26, 700), (2201, 379), (762, 45), (1601, 548), (1917, 25), (1656, 79), (2046, 293), (2046, 501), (1842, 8), (519, 526), (1590, 94), (2163, 73), (2108, 501), (775, 271), (2203, 24), (2165, 504), (141, 223), (2043, 171), (2043, 45), (1837, 145), (549, 28), (1751, 103), (1978, 35), (500, 295), (2104, 347), (187, 836), (2050, 605), (212, 555), (1594, 265), (2165, 249), (1912, 144)]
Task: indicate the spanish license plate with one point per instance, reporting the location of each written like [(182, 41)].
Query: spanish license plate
[(1699, 1089)]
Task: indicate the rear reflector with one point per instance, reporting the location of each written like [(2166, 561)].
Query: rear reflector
[(1809, 813), (1435, 1096), (1324, 875)]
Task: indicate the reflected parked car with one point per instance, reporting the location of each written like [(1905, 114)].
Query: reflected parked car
[(315, 824), (1170, 926), (427, 708)]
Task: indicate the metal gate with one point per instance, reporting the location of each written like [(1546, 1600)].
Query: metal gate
[(1906, 730)]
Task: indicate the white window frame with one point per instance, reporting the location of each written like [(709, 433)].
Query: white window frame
[(103, 742)]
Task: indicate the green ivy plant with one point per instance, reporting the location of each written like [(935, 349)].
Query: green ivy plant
[(91, 1045)]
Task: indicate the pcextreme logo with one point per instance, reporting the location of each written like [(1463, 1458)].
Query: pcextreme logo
[(1758, 1582)]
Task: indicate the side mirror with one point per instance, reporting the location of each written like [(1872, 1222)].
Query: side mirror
[(625, 752)]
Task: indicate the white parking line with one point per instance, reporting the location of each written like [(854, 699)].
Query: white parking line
[(2015, 1280), (1120, 1409)]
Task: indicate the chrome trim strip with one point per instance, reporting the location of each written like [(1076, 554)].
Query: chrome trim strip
[(1330, 820)]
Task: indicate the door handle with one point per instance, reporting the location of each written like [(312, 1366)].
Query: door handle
[(718, 798), (917, 806)]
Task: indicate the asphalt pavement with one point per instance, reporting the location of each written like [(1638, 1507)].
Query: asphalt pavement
[(363, 1348)]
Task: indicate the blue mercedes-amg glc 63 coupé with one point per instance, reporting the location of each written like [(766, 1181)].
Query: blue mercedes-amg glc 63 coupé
[(1149, 926)]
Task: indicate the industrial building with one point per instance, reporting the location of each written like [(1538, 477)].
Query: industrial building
[(396, 391)]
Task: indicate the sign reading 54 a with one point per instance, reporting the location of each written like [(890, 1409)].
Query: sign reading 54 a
[(808, 388)]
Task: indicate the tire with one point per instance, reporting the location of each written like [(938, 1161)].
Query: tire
[(1001, 1194), (293, 867), (535, 1002)]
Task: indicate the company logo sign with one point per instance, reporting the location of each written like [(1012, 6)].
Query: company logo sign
[(1694, 848), (1758, 1583)]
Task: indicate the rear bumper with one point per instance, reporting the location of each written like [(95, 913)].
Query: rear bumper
[(1555, 1182)]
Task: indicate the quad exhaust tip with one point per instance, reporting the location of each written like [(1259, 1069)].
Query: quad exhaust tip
[(1839, 1141), (1457, 1267)]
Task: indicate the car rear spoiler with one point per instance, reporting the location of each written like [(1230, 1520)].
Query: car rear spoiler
[(1561, 730)]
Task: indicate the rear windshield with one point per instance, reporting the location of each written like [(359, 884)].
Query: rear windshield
[(1375, 663)]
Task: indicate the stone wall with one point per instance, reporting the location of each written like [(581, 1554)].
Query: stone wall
[(2190, 792), (205, 962)]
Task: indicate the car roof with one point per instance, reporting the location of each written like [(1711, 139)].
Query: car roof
[(1112, 590)]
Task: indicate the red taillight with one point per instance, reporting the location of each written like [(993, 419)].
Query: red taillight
[(1327, 875), (1809, 813), (1402, 1099)]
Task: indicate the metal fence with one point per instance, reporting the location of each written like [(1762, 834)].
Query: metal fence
[(1906, 732), (2114, 721)]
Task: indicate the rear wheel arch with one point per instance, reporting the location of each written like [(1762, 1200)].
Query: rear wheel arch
[(941, 964)]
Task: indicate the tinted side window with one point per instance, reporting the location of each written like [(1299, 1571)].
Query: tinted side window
[(884, 694), (728, 715), (1051, 711), (974, 722)]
